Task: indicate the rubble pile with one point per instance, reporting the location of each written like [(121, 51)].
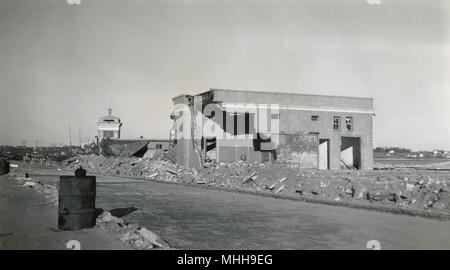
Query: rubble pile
[(424, 190), (132, 235), (49, 191)]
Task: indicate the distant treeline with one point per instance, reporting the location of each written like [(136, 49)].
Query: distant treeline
[(396, 149)]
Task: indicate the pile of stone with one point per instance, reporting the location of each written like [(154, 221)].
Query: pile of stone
[(399, 188), (50, 192), (132, 235)]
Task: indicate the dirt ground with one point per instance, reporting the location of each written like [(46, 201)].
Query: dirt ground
[(108, 221), (424, 188), (28, 222)]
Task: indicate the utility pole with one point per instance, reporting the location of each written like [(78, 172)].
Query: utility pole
[(70, 135), (79, 136)]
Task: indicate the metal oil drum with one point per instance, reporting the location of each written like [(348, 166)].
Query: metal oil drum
[(76, 209)]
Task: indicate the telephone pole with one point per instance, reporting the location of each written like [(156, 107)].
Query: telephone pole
[(70, 135), (79, 136)]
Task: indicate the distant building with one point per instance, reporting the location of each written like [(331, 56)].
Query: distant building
[(109, 126), (308, 131)]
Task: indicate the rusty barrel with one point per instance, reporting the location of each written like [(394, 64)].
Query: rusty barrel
[(76, 208), (4, 166)]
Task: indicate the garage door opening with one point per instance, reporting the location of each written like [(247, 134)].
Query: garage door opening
[(324, 154), (351, 153)]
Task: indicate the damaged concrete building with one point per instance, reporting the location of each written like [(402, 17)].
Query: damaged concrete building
[(307, 131)]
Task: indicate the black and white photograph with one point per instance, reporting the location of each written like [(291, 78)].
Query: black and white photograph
[(170, 126)]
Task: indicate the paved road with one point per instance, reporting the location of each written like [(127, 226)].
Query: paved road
[(194, 218)]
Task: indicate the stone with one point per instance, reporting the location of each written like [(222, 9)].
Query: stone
[(107, 217), (440, 204), (393, 197), (249, 178), (142, 244), (410, 187), (154, 239), (429, 199), (129, 236), (29, 184), (377, 196), (279, 189), (358, 191), (271, 187)]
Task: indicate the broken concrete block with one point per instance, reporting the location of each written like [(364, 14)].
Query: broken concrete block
[(429, 199), (129, 236), (393, 197), (142, 244), (171, 171), (107, 217), (359, 191), (279, 189), (410, 187), (440, 204), (377, 196), (249, 178), (153, 238), (29, 184)]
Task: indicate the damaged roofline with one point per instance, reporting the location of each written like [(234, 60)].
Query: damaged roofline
[(301, 108), (283, 93)]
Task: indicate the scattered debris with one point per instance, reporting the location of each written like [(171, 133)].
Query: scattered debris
[(250, 178), (133, 235), (279, 189), (399, 187)]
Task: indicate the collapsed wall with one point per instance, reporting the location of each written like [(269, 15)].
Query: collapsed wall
[(300, 150)]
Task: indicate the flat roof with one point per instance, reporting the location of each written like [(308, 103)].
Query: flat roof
[(280, 93), (234, 97)]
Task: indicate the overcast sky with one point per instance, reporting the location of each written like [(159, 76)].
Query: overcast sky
[(64, 64)]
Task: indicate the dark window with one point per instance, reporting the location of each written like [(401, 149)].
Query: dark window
[(336, 122), (235, 125), (108, 134), (349, 123), (158, 146), (247, 123), (314, 117)]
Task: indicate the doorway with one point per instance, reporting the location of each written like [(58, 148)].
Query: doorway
[(351, 153), (324, 154)]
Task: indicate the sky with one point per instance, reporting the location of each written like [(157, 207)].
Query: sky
[(63, 64)]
